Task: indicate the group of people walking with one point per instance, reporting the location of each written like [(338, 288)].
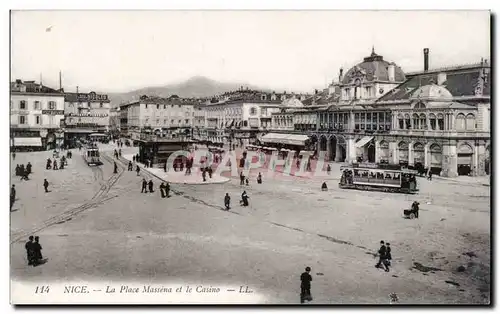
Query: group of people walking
[(149, 187), (23, 172), (34, 251), (384, 256)]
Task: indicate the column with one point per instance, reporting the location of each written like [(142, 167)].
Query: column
[(449, 164), (480, 160), (318, 146), (351, 150), (328, 148), (393, 153), (377, 151), (410, 153), (426, 158)]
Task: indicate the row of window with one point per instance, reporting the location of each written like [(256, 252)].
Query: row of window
[(419, 122), (37, 119), (89, 105), (186, 121), (157, 106), (37, 105)]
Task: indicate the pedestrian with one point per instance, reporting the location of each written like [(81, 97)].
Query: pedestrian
[(46, 185), (37, 252), (120, 152), (55, 165), (28, 167), (167, 190), (12, 195), (259, 178), (21, 170), (305, 286), (328, 169), (133, 158), (244, 199), (247, 181), (324, 187), (18, 170), (115, 168), (49, 164), (227, 201), (382, 255), (150, 185), (137, 169), (210, 171), (116, 154), (242, 178), (204, 174), (144, 186), (162, 190), (165, 167), (130, 166), (415, 207), (430, 175), (388, 254), (29, 250), (13, 156), (24, 175)]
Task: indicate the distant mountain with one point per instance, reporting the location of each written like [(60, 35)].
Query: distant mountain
[(197, 86)]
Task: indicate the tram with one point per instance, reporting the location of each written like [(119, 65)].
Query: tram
[(91, 155), (379, 178)]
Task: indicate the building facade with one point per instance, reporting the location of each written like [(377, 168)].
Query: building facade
[(36, 112), (85, 114), (154, 114), (437, 119)]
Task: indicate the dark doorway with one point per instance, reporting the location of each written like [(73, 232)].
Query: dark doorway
[(371, 152), (333, 148)]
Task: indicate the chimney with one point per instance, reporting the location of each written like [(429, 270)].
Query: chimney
[(441, 78), (426, 59), (391, 73), (60, 81), (341, 72)]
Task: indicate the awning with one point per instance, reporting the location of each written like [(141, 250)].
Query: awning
[(362, 142), (28, 141), (289, 139)]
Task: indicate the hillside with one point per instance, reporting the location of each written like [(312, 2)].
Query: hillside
[(197, 86)]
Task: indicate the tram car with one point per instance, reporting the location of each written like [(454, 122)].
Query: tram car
[(91, 155), (385, 179)]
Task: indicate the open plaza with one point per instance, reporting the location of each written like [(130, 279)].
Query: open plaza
[(95, 224)]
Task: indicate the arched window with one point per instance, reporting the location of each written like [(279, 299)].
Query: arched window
[(415, 122), (470, 123), (460, 122), (407, 122), (401, 122), (440, 122), (403, 145), (432, 121), (384, 145), (423, 121)]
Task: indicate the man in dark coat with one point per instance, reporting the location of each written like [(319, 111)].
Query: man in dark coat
[(133, 158), (37, 252), (210, 171), (150, 185), (46, 185), (115, 168), (415, 207), (137, 169), (13, 156), (382, 256), (12, 195), (29, 250), (227, 201), (55, 165), (244, 199), (17, 170), (28, 167), (242, 179), (129, 166), (167, 190), (144, 186), (162, 190), (259, 178), (305, 285), (49, 164), (204, 174)]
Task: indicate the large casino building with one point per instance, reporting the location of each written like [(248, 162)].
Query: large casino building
[(436, 118)]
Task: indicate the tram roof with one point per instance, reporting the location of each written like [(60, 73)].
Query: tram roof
[(396, 168)]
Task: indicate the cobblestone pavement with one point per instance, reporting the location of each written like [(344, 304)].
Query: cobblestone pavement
[(290, 224)]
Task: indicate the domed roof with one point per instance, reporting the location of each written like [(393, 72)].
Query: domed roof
[(373, 68), (432, 91)]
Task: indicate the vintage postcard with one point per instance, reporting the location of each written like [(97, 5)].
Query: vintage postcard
[(250, 157)]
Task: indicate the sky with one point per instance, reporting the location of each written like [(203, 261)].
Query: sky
[(119, 51)]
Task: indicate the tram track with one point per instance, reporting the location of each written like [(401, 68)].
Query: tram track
[(98, 199)]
